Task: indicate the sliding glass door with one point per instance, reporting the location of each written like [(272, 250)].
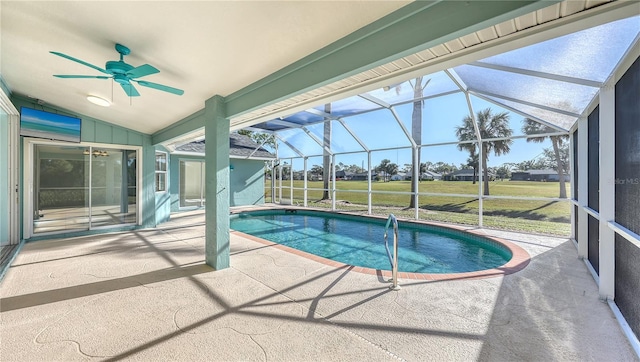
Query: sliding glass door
[(113, 193), (80, 188)]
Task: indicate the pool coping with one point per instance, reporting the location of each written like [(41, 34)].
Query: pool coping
[(519, 260)]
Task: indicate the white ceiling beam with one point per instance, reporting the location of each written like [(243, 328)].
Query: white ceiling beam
[(533, 73), (527, 103), (539, 120), (293, 148), (355, 137), (453, 75)]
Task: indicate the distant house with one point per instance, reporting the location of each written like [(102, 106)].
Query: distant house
[(464, 175), (400, 176), (537, 175), (430, 175), (343, 175), (363, 176)]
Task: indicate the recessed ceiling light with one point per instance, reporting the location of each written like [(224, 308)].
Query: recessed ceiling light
[(99, 101)]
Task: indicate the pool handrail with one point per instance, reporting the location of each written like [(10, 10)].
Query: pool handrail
[(393, 261)]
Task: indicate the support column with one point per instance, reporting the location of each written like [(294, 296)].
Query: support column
[(291, 181), (280, 183), (305, 182), (607, 191), (582, 232), (217, 184), (333, 182), (415, 178), (368, 182)]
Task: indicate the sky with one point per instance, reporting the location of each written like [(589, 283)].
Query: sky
[(379, 129)]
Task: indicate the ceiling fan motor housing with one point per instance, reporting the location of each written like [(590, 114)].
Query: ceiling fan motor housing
[(117, 67)]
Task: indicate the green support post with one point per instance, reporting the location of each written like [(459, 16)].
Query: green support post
[(217, 184)]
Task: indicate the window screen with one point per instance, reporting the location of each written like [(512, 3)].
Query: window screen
[(593, 159), (628, 149), (594, 243), (628, 282)]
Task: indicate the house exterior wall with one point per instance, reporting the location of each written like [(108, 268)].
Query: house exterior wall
[(96, 131), (246, 181)]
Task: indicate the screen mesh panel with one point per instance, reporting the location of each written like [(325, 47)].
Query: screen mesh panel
[(593, 159), (594, 243), (628, 149), (575, 220), (628, 282)]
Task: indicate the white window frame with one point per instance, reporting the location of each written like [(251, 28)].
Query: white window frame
[(163, 172)]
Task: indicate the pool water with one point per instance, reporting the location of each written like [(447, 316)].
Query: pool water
[(359, 241)]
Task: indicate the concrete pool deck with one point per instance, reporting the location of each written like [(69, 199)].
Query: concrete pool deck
[(147, 295)]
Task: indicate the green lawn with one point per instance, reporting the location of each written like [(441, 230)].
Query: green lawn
[(547, 217)]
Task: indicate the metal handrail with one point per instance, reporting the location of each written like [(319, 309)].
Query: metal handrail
[(393, 261)]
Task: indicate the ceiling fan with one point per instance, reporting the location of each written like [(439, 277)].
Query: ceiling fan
[(122, 73)]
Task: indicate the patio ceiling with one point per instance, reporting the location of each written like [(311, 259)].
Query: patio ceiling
[(206, 48)]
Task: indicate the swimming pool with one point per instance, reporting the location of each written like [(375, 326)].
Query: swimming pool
[(358, 241)]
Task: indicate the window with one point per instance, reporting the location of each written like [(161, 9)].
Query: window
[(161, 172)]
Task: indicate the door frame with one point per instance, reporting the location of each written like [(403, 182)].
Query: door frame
[(13, 118), (28, 183)]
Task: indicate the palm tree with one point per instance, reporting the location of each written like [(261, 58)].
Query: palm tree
[(490, 126), (416, 126), (473, 162), (384, 167), (531, 127)]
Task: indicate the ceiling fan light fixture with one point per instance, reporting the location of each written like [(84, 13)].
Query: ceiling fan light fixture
[(98, 101)]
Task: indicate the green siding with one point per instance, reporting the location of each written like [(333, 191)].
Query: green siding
[(93, 130), (246, 182), (134, 139), (103, 133), (148, 192), (88, 131), (119, 136)]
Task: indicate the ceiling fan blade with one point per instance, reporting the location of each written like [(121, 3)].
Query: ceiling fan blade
[(80, 61), (161, 87), (80, 76), (130, 90), (142, 71)]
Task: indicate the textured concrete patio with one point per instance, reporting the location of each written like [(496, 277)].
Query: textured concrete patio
[(147, 295)]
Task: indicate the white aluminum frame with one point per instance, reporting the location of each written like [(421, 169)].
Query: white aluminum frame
[(13, 117), (28, 184)]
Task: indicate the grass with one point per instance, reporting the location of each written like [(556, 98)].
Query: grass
[(542, 217)]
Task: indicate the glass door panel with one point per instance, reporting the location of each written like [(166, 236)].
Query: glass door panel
[(61, 192), (110, 187)]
